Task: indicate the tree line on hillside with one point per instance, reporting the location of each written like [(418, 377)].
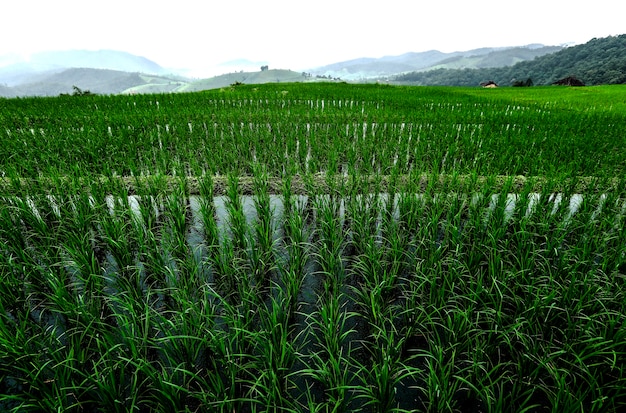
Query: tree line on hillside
[(599, 61)]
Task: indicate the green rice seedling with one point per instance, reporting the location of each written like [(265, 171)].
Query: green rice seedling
[(362, 212), (287, 197), (85, 248), (330, 365), (331, 241), (208, 214), (217, 257), (146, 218), (151, 251), (506, 394), (178, 216), (113, 384), (57, 294), (440, 385), (31, 244), (187, 358), (262, 252), (126, 273), (609, 246), (88, 272), (376, 284), (409, 205), (13, 300), (38, 217), (484, 381), (293, 269), (228, 272), (42, 381), (378, 277), (191, 355), (310, 201), (237, 223), (240, 321), (278, 346), (115, 226), (165, 350), (428, 237), (445, 224), (184, 269)]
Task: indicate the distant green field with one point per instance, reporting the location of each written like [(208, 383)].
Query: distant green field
[(314, 247), (320, 128)]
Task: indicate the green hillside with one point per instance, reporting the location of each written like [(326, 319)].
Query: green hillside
[(599, 61), (267, 76), (99, 81)]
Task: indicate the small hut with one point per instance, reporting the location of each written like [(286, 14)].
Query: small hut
[(569, 81), (489, 83)]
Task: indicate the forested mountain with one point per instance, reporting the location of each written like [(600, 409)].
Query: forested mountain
[(599, 61)]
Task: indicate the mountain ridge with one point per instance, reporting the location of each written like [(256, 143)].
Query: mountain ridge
[(368, 68), (44, 75), (25, 70), (599, 61)]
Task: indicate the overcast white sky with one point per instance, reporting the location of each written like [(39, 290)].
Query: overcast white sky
[(296, 34)]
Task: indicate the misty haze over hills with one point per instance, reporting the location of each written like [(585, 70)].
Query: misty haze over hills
[(15, 70), (113, 72), (367, 68)]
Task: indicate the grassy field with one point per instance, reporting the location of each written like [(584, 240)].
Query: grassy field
[(314, 247)]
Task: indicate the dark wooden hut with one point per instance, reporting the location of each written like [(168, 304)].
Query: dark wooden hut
[(569, 81)]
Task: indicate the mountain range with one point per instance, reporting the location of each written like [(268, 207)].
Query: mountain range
[(600, 61), (368, 68), (115, 72)]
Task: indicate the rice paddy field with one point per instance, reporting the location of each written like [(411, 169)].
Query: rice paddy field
[(314, 247)]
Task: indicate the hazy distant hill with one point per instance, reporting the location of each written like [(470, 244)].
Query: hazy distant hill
[(599, 61), (367, 68), (108, 82), (17, 71), (100, 81), (101, 59), (498, 58), (113, 72), (267, 76), (7, 92)]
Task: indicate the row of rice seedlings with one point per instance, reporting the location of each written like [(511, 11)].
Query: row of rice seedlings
[(273, 287), (263, 249), (257, 309), (44, 307), (378, 268), (329, 360)]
